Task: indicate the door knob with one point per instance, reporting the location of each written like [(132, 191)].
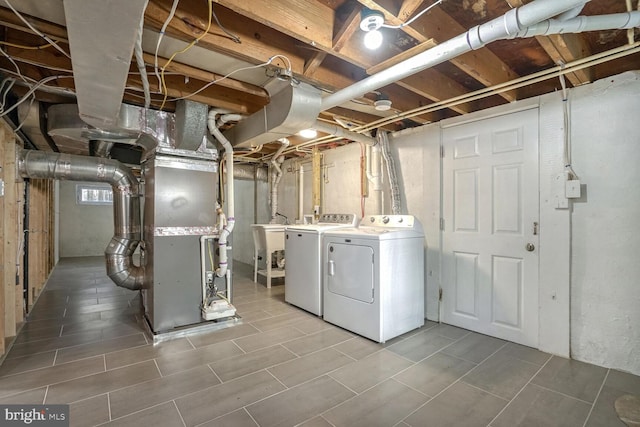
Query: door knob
[(530, 247)]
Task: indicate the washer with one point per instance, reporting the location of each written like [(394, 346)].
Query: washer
[(373, 281), (303, 251)]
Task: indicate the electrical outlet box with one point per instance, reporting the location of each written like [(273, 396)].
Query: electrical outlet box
[(572, 189)]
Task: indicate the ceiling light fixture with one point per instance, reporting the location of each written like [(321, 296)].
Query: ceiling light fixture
[(382, 102), (308, 133), (370, 23), (372, 20)]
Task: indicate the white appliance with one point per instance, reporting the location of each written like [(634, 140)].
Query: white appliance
[(303, 249), (373, 282)]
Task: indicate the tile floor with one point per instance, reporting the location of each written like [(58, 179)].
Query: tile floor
[(84, 345)]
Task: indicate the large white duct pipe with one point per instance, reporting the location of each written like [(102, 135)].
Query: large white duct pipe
[(276, 176), (506, 26), (126, 203), (221, 271)]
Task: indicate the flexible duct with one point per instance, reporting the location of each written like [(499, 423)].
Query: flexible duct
[(126, 203), (506, 26), (222, 269), (374, 175), (276, 175), (383, 139)]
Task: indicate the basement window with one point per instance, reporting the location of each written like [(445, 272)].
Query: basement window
[(93, 195)]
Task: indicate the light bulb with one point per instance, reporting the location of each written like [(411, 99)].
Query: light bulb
[(308, 133), (373, 39)]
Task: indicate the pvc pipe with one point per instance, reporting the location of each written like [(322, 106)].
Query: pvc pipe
[(222, 269), (506, 26), (300, 192), (276, 176), (571, 13), (226, 118), (339, 131), (615, 21)]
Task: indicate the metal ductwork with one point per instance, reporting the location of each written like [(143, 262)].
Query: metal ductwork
[(126, 203), (250, 172), (101, 38), (133, 126), (293, 108)]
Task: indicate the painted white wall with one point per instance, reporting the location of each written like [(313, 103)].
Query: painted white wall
[(417, 152), (248, 212), (605, 291), (85, 230)]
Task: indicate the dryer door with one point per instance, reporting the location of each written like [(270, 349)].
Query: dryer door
[(350, 271)]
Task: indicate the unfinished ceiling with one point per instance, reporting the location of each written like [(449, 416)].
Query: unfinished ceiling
[(321, 42)]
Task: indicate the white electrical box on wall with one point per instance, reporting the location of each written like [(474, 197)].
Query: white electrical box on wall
[(572, 189)]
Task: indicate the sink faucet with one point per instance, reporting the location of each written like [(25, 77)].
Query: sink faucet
[(286, 220)]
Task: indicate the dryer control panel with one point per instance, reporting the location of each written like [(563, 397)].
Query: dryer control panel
[(395, 221)]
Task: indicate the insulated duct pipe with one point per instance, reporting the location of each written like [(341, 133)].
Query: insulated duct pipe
[(341, 132), (276, 175), (222, 269), (504, 27), (126, 203)]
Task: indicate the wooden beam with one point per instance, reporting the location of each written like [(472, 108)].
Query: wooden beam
[(348, 29), (307, 21), (312, 64), (4, 256), (10, 241), (408, 8)]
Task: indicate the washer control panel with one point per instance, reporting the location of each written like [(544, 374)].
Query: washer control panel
[(338, 219)]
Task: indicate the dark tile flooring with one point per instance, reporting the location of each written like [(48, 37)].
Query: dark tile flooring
[(84, 345)]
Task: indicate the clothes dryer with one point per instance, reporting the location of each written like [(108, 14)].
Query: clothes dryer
[(373, 281)]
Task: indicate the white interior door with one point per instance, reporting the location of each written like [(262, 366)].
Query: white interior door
[(490, 241)]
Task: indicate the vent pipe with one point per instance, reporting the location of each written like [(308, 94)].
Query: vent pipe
[(223, 269), (276, 175), (126, 203)]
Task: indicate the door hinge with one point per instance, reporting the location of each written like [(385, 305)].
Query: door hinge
[(373, 292), (441, 224), (442, 151), (440, 295)]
